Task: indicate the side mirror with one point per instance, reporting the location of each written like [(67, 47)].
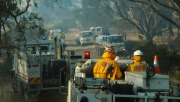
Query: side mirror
[(150, 72)]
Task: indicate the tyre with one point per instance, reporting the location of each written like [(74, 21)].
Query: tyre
[(31, 96), (20, 88), (14, 86)]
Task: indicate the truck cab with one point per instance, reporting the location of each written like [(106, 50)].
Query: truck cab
[(114, 40), (99, 30), (84, 37), (41, 65)]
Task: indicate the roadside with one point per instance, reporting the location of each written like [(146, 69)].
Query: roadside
[(6, 92)]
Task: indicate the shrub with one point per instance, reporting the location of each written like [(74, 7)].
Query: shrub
[(6, 67), (6, 94)]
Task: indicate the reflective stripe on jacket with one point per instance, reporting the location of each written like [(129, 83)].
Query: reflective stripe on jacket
[(137, 67)]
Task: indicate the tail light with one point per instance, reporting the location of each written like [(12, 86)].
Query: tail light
[(87, 55)]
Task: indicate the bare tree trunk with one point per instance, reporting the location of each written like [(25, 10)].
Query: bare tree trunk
[(171, 30), (0, 40), (0, 36), (178, 36)]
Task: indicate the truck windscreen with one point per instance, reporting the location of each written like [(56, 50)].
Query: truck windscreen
[(86, 34), (31, 49), (115, 39)]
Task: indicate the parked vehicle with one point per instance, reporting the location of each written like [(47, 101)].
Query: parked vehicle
[(56, 33), (41, 65), (84, 37), (99, 30), (114, 40)]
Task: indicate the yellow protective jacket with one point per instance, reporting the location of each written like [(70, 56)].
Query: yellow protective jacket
[(102, 65), (137, 67)]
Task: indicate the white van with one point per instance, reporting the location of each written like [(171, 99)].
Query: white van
[(99, 30)]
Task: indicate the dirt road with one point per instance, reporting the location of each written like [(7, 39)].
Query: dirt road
[(79, 50)]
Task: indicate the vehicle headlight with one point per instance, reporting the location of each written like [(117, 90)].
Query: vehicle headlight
[(82, 39)]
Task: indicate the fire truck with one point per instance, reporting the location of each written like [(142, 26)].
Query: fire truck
[(56, 33), (41, 65), (114, 40), (84, 37), (133, 87)]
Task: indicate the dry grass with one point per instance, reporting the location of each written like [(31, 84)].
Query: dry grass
[(175, 77), (6, 93), (134, 37)]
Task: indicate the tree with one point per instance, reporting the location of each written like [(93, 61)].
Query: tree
[(15, 20), (170, 11), (173, 5), (92, 14), (140, 16)]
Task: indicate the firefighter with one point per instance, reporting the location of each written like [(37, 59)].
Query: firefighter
[(138, 64), (102, 65), (61, 35), (50, 36)]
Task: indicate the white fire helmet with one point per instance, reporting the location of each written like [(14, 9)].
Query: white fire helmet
[(138, 52)]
